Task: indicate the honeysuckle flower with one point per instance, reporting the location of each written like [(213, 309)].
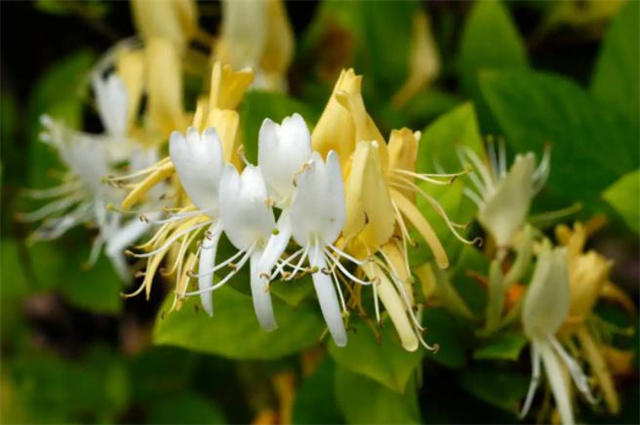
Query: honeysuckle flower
[(545, 307), (588, 278), (198, 160), (424, 64), (173, 20), (82, 198), (164, 112), (257, 34), (380, 194), (227, 89), (504, 197), (283, 151), (247, 220), (317, 217)]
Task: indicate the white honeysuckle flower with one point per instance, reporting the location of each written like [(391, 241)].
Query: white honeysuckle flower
[(504, 197), (82, 198), (317, 217), (199, 161), (283, 151), (247, 220), (545, 307)]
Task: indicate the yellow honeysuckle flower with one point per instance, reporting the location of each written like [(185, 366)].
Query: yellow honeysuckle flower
[(257, 34), (164, 88), (226, 91), (335, 129), (588, 277), (424, 65), (130, 68), (173, 20), (380, 193)]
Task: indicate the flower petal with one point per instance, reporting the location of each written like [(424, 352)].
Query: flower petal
[(198, 161)]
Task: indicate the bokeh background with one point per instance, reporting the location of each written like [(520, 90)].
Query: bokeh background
[(74, 351)]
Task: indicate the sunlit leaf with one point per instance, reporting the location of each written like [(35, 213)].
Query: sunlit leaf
[(440, 139), (624, 197), (233, 331), (387, 362)]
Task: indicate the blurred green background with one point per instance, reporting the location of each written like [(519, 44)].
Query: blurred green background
[(74, 351)]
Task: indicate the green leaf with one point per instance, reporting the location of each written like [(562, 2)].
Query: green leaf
[(490, 40), (615, 80), (292, 292), (363, 401), (588, 151), (501, 388), (315, 401), (441, 138), (257, 105), (233, 331), (386, 361), (471, 259), (624, 197), (458, 208), (96, 289), (503, 347), (444, 330), (185, 408)]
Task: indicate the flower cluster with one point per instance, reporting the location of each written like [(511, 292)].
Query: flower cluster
[(345, 196)]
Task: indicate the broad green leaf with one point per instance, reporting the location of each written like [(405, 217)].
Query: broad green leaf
[(624, 197), (233, 331), (615, 80), (440, 139), (588, 151), (471, 260), (257, 105), (185, 408), (502, 388), (315, 401), (293, 292), (503, 347), (490, 40), (364, 401), (458, 209), (96, 289), (386, 361), (60, 93), (450, 336)]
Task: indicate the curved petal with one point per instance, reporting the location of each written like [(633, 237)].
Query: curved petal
[(206, 263), (546, 304), (261, 295), (318, 207), (198, 161), (246, 217), (282, 151), (327, 297), (112, 103)]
